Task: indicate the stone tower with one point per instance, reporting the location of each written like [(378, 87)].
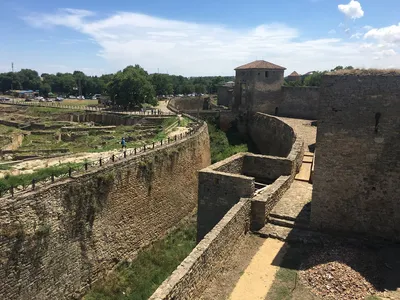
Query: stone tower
[(258, 87), (357, 163)]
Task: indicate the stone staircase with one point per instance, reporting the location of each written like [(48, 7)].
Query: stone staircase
[(291, 230), (305, 173), (289, 220)]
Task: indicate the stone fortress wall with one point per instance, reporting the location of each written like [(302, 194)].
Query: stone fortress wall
[(59, 239), (357, 164), (356, 179), (187, 103), (299, 102), (231, 202)]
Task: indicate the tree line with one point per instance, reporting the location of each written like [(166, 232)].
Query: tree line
[(132, 85), (315, 78)]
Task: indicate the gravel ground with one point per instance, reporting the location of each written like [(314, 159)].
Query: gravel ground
[(342, 272)]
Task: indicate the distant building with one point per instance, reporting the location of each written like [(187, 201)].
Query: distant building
[(258, 87), (24, 93), (294, 76), (225, 93)]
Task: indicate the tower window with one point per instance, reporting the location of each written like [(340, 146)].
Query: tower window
[(266, 74)]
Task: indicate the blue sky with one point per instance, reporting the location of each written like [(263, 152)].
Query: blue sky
[(196, 38)]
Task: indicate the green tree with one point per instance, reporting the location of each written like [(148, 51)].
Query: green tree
[(199, 88), (29, 79), (314, 79), (215, 83), (131, 87), (162, 84), (45, 89), (188, 88)]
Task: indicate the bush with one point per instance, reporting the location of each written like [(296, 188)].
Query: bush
[(224, 145)]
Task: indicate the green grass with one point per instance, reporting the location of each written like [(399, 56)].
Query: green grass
[(38, 111), (221, 146), (168, 122), (139, 279), (25, 179), (94, 142), (7, 129), (5, 166), (373, 297), (185, 122)]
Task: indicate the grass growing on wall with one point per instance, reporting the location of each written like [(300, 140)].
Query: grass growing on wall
[(224, 145), (40, 174), (138, 280)]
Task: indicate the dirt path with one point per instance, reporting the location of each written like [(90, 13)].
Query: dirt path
[(162, 106), (258, 277), (248, 273)]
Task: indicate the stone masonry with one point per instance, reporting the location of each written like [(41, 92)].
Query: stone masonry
[(357, 164), (57, 241)]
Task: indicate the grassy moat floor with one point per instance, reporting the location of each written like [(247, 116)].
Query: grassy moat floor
[(139, 279)]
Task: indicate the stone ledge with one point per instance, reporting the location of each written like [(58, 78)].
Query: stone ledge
[(187, 281)]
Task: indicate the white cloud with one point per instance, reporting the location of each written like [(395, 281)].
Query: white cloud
[(195, 49), (352, 10), (390, 34), (356, 35), (332, 31)]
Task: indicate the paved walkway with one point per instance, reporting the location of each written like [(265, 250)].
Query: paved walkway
[(295, 203), (303, 129), (293, 208)]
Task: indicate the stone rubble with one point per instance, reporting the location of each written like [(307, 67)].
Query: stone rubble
[(341, 273)]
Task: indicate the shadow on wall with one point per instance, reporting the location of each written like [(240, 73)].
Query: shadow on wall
[(377, 263), (270, 135)]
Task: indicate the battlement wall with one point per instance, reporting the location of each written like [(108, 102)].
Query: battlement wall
[(299, 102), (59, 239), (357, 172)]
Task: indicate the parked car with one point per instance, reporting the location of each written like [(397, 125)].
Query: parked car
[(81, 97), (71, 97), (50, 100), (96, 97), (4, 99), (28, 100), (59, 99)]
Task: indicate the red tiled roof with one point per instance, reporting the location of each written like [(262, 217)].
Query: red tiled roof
[(294, 74), (260, 64)]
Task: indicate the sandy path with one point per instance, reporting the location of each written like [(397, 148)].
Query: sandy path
[(162, 106), (259, 275)]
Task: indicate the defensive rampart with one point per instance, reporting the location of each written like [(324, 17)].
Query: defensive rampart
[(270, 135), (235, 194), (59, 239), (187, 103), (357, 173), (198, 269), (299, 102)]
